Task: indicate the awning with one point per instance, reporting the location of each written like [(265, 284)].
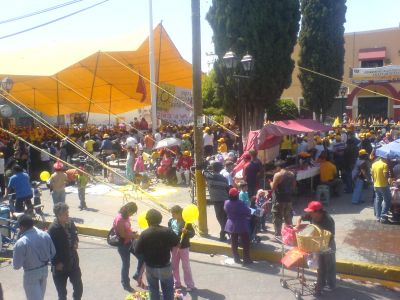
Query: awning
[(292, 127), (372, 54), (101, 77)]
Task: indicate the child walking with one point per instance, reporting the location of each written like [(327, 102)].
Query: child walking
[(181, 252), (244, 195), (82, 180)]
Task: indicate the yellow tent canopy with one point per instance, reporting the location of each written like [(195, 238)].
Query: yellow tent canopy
[(105, 78)]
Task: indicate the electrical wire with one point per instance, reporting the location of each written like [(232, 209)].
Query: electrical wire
[(42, 121), (52, 21), (40, 11), (167, 92)]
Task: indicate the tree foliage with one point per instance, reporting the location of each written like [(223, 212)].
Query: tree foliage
[(284, 109), (322, 50), (268, 31), (209, 91)]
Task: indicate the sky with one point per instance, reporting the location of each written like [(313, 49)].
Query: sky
[(123, 25)]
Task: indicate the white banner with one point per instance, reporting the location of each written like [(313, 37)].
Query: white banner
[(379, 74), (172, 110)]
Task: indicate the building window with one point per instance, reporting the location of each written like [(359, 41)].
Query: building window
[(371, 63)]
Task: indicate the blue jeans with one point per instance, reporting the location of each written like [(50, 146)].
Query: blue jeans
[(348, 182), (326, 274), (382, 201), (58, 196), (163, 275), (123, 251), (357, 193), (35, 283)]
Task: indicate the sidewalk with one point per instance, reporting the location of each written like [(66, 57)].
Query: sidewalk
[(361, 241)]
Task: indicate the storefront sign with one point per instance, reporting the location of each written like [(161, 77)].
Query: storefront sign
[(376, 75), (174, 104)]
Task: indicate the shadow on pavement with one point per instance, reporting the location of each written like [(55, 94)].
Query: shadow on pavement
[(258, 267), (91, 209), (78, 220), (205, 294), (357, 292)]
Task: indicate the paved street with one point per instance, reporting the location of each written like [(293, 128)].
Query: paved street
[(215, 279), (358, 236)]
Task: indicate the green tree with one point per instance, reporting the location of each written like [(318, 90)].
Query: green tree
[(209, 91), (322, 50), (284, 109), (268, 31)]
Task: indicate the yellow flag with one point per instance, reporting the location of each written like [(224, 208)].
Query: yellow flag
[(336, 123)]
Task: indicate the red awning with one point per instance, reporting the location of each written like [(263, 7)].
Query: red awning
[(372, 54), (290, 127)]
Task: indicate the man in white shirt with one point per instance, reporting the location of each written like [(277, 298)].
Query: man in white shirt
[(208, 142), (157, 136), (227, 172), (131, 142)]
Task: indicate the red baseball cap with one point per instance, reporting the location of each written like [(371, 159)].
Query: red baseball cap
[(233, 192), (314, 206)]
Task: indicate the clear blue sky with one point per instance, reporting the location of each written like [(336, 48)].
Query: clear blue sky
[(115, 24)]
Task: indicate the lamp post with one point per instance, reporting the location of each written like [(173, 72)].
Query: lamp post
[(230, 61), (342, 92), (5, 110)]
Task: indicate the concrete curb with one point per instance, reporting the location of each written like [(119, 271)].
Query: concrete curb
[(365, 270)]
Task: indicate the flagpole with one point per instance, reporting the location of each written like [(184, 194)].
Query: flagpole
[(152, 71)]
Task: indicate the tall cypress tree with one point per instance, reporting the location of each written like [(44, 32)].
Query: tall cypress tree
[(268, 31), (322, 50)]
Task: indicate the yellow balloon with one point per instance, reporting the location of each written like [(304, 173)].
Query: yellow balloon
[(44, 176), (142, 222), (190, 213)]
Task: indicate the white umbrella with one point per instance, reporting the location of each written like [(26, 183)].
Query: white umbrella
[(168, 142)]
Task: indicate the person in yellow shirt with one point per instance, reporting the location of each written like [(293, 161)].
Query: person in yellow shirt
[(328, 174), (382, 201), (88, 144), (222, 147), (286, 147)]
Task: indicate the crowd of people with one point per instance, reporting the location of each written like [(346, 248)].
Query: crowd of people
[(239, 188)]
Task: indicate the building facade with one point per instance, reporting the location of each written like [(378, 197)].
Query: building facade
[(371, 75)]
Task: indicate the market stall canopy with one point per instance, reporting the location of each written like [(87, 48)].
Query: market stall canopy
[(270, 135), (389, 150), (105, 78), (292, 127)]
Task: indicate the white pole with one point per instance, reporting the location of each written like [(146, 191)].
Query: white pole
[(152, 71)]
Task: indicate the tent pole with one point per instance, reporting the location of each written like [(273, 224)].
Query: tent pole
[(109, 108), (91, 91), (159, 57), (58, 104), (34, 104), (152, 71)]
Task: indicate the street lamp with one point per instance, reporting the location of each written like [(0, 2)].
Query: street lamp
[(6, 86), (230, 61)]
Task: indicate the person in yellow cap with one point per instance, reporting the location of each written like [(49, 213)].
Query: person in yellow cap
[(222, 147), (186, 144), (183, 168), (360, 174)]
